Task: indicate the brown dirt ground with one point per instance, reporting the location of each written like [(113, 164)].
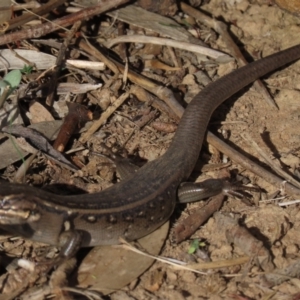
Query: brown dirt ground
[(260, 29)]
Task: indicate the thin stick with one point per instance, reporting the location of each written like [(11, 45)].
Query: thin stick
[(167, 42), (40, 30), (267, 159), (34, 13), (59, 62), (110, 110), (251, 165)]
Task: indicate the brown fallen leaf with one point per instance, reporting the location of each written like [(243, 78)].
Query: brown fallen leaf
[(39, 113), (38, 141), (108, 268), (156, 64)]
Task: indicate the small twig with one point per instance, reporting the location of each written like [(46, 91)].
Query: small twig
[(251, 165), (144, 96), (77, 116), (189, 225), (110, 110), (20, 6), (220, 264), (122, 47), (86, 46), (287, 203), (59, 62), (168, 42), (128, 246), (40, 30), (164, 127), (85, 64), (190, 267), (34, 13)]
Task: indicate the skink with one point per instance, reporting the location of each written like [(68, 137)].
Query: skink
[(140, 204)]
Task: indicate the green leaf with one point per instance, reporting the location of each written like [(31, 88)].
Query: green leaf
[(3, 84), (10, 82), (13, 78), (194, 246), (202, 244), (27, 69)]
